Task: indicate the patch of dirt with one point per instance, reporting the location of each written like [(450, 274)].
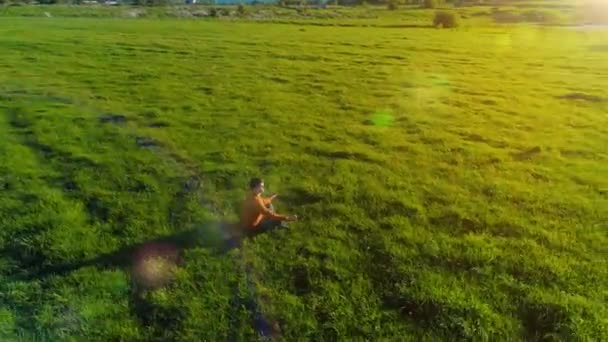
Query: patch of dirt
[(528, 154), (577, 153), (278, 80), (476, 138), (113, 118), (159, 124), (581, 97), (146, 142)]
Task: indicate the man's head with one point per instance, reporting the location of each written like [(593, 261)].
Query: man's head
[(256, 185)]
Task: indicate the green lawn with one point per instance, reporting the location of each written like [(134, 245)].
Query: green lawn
[(451, 183)]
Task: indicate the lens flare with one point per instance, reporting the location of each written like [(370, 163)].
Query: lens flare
[(382, 118), (154, 264), (429, 90)]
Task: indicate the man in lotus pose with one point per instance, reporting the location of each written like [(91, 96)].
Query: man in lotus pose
[(257, 212)]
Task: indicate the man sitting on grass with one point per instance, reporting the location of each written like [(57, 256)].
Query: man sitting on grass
[(257, 213)]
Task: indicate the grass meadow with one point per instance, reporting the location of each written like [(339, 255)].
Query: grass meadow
[(451, 184)]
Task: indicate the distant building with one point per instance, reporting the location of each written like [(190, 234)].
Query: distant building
[(190, 2)]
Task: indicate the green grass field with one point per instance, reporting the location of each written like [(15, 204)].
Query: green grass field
[(451, 184)]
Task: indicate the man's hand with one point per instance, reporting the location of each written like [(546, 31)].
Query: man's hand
[(273, 196), (292, 218)]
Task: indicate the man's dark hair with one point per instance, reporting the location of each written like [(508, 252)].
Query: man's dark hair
[(255, 182)]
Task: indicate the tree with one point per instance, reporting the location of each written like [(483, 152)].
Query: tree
[(430, 3), (445, 19), (241, 10), (393, 4)]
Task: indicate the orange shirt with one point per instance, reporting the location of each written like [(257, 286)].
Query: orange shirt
[(254, 210)]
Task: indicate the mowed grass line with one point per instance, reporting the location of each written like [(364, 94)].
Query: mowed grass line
[(475, 209)]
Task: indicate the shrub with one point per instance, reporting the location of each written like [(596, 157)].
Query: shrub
[(241, 10), (430, 3), (445, 19), (540, 17), (506, 17), (393, 5)]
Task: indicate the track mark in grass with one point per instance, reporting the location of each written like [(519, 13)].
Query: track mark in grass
[(390, 208), (266, 166), (507, 230), (433, 198), (299, 197), (581, 97), (159, 124), (539, 176), (20, 120), (439, 315), (98, 211), (330, 334), (125, 257), (541, 320), (68, 184), (261, 325), (181, 215), (431, 140), (279, 80), (113, 118), (577, 153), (345, 155), (301, 280), (206, 90), (162, 320), (527, 154), (454, 222), (17, 118), (402, 148), (475, 137), (146, 142), (24, 251), (481, 139)]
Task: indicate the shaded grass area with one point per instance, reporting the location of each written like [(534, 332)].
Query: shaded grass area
[(442, 194)]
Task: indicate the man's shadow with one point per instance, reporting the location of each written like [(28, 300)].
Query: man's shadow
[(218, 237)]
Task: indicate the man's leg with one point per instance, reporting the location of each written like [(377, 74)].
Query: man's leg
[(280, 224), (268, 224)]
